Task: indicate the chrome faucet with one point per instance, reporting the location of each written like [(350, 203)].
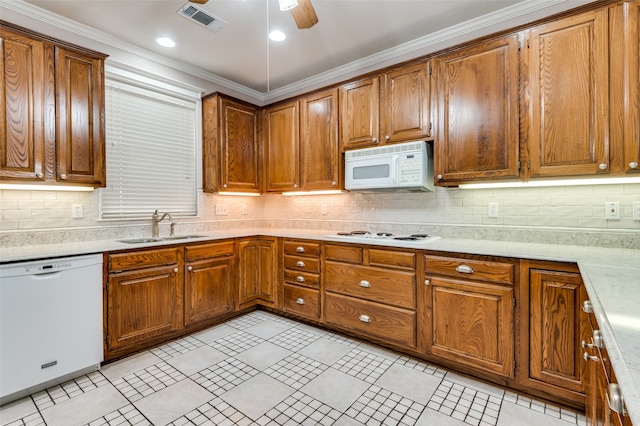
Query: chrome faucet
[(155, 220)]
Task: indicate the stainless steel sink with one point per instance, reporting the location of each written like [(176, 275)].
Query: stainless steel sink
[(182, 237), (140, 240)]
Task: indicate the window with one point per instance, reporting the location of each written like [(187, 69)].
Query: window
[(150, 152)]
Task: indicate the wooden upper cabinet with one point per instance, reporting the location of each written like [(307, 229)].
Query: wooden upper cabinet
[(477, 97), (320, 155), (568, 82), (625, 87), (25, 79), (404, 104), (231, 154), (359, 113), (52, 101), (281, 154), (80, 118)]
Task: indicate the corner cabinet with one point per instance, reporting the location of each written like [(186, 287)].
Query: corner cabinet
[(478, 126), (52, 101), (257, 270), (231, 151)]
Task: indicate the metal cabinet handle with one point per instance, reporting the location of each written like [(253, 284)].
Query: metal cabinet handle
[(295, 185), (189, 268), (464, 269), (365, 318), (63, 176), (387, 137), (614, 398), (300, 301), (334, 183), (300, 279), (427, 282), (365, 283), (596, 341), (39, 175), (588, 357), (586, 345), (300, 264), (175, 269), (300, 249), (633, 165), (602, 166), (224, 185), (439, 177), (587, 307), (374, 140)]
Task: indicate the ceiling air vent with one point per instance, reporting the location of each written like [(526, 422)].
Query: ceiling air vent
[(201, 17)]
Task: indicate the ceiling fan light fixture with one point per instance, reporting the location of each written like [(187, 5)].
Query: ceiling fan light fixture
[(287, 4)]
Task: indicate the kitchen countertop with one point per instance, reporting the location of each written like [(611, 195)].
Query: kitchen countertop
[(611, 277)]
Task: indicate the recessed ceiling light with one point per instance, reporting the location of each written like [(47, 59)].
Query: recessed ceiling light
[(277, 35), (166, 42)]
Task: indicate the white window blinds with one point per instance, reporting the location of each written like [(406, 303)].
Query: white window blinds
[(150, 153)]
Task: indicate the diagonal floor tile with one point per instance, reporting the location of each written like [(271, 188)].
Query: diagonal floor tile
[(257, 395), (336, 389), (325, 351), (267, 329), (17, 410), (196, 360), (170, 403), (263, 355), (85, 408), (412, 384)]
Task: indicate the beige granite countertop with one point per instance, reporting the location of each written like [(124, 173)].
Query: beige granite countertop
[(611, 277)]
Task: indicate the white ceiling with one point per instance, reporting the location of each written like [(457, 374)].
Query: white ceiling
[(348, 32)]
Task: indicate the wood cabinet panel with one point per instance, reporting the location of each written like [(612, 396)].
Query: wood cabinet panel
[(302, 301), (478, 136), (257, 271), (359, 113), (390, 258), (569, 102), (282, 156), (306, 248), (556, 329), (377, 284), (320, 154), (208, 289), (404, 103), (143, 259), (299, 263), (26, 77), (302, 278), (472, 323), (209, 250), (143, 304), (387, 323), (483, 270), (344, 253)]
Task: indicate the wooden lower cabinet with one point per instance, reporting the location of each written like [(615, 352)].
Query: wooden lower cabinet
[(302, 301), (257, 270)]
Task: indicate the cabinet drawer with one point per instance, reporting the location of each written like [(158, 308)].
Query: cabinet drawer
[(393, 287), (143, 259), (387, 323), (302, 301), (305, 248), (349, 254), (307, 264), (302, 278), (207, 251), (495, 272), (387, 258)]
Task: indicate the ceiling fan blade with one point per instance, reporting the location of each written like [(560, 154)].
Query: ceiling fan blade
[(304, 14), (199, 1)]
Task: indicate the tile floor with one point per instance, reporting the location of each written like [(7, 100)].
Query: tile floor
[(262, 369)]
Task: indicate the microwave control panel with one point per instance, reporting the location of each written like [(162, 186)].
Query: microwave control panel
[(410, 169)]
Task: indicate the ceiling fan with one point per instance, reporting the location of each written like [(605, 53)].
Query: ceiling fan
[(301, 10)]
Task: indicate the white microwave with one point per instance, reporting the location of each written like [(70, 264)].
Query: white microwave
[(406, 166)]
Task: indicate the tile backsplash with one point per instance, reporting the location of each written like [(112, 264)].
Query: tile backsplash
[(574, 215)]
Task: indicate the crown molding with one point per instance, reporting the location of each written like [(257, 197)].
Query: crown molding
[(517, 14)]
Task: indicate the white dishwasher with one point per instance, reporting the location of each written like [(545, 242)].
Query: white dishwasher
[(50, 322)]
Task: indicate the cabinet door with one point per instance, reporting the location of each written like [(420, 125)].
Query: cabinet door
[(478, 136), (143, 304), (258, 264), (208, 289), (556, 332), (320, 156), (404, 104), (625, 87), (281, 151), (359, 113), (472, 324), (239, 165), (26, 94), (80, 118), (569, 87)]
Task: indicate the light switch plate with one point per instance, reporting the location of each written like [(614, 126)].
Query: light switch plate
[(612, 210), (493, 210), (221, 210)]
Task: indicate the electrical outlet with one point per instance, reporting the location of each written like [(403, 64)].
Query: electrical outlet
[(77, 212), (324, 208), (612, 210), (245, 210), (636, 210), (493, 210), (221, 210)]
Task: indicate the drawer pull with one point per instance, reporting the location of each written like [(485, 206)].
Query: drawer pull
[(596, 341), (300, 264), (300, 301), (427, 282), (588, 357), (587, 307), (300, 279), (189, 268), (365, 283), (614, 399), (464, 269), (175, 269), (365, 318), (300, 249)]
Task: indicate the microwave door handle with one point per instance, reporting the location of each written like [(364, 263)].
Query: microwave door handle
[(394, 169)]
